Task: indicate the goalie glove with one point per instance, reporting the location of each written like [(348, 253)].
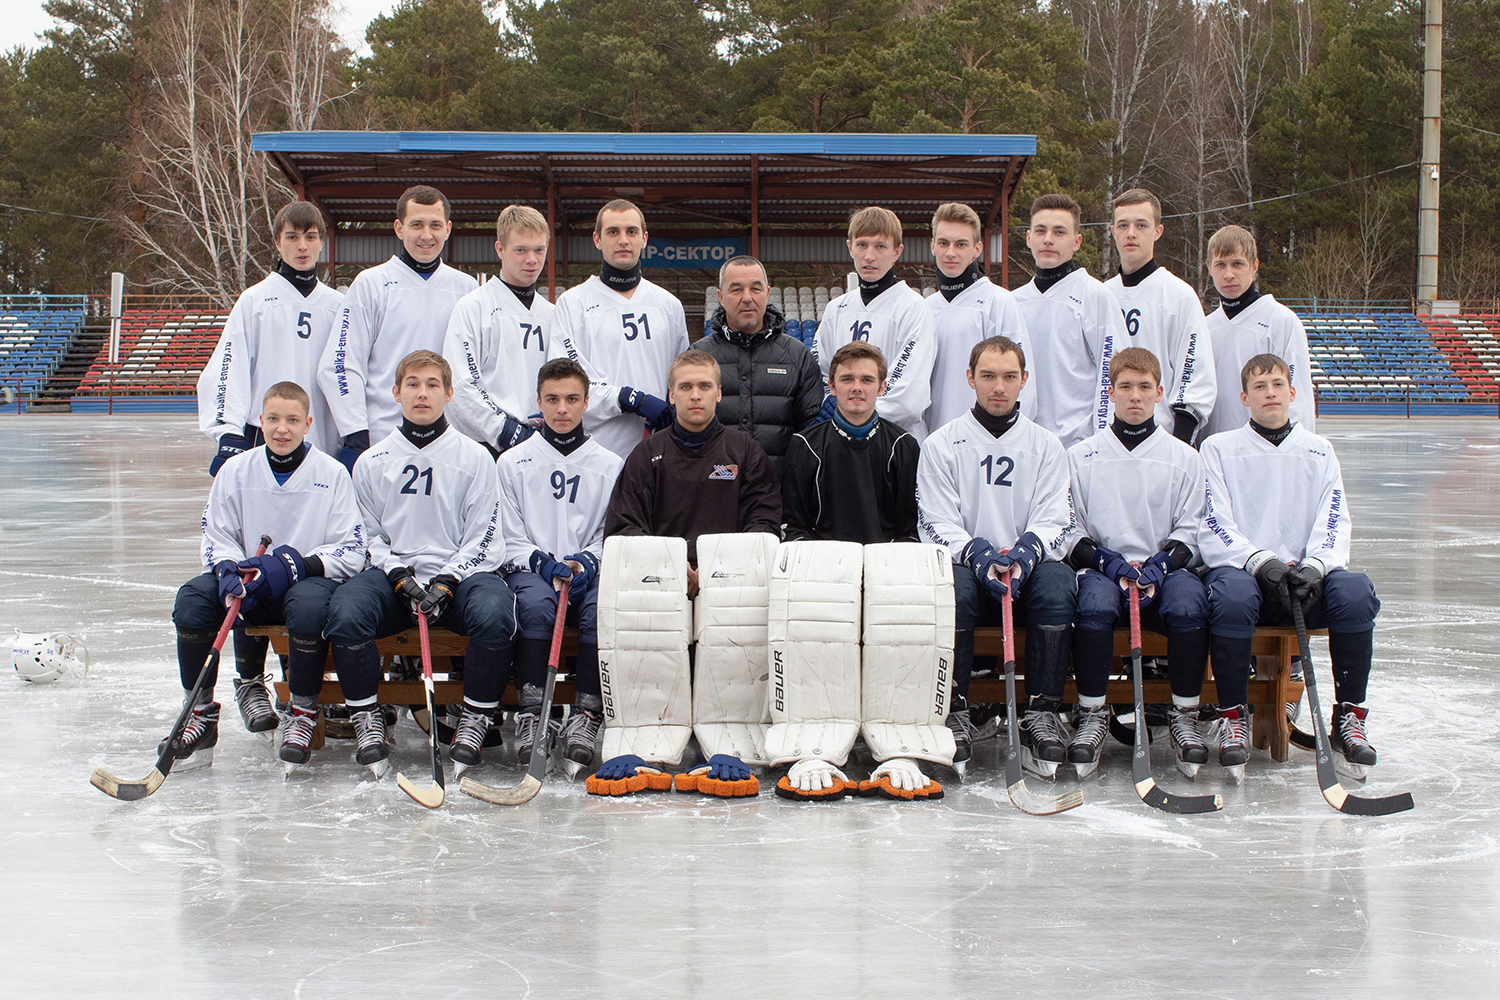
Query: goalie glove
[(814, 780), (899, 778), (724, 775), (626, 775)]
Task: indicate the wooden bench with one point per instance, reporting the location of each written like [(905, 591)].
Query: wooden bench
[(1270, 689)]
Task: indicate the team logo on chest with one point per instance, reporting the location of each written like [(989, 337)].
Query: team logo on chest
[(725, 472)]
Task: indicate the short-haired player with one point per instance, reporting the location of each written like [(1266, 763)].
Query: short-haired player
[(391, 310), (1250, 322), (1276, 529), (1162, 315), (431, 507), (303, 500), (852, 478), (497, 337), (995, 474), (1074, 324), (886, 313), (1138, 503), (968, 308), (624, 330), (554, 492)]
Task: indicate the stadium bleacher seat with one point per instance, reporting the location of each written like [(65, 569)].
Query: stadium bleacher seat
[(33, 342), (161, 353), (1373, 357)]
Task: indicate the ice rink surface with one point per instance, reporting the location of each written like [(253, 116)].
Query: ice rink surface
[(231, 882)]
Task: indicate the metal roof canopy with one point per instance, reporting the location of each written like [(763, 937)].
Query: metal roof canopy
[(704, 181)]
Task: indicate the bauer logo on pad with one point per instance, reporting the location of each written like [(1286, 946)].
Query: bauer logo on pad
[(725, 472)]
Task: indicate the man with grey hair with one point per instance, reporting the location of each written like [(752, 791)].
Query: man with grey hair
[(772, 385)]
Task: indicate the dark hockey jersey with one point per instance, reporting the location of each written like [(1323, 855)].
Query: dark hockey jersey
[(835, 486)]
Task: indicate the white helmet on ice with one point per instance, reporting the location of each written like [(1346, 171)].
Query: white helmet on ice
[(42, 659)]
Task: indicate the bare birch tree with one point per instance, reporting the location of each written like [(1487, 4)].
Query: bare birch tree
[(1244, 43)]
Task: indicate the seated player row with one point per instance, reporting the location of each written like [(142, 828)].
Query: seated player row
[(435, 521)]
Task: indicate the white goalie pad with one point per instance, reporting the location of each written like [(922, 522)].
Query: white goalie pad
[(813, 631), (645, 621), (908, 651), (732, 665)]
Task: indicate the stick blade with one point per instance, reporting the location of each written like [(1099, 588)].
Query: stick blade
[(431, 797), (513, 795), (1302, 740), (1153, 796), (126, 791), (1359, 805), (1024, 799)]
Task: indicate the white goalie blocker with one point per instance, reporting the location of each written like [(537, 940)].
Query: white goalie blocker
[(645, 620), (813, 631), (908, 651), (732, 664)]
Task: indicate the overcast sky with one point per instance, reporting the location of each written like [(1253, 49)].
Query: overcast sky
[(25, 20)]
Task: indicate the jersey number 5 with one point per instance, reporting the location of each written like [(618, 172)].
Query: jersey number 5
[(304, 325), (561, 484), (635, 324), (411, 484), (996, 470)]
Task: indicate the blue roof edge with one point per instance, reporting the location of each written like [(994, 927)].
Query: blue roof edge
[(647, 143)]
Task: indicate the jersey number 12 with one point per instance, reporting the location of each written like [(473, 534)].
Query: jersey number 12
[(996, 470)]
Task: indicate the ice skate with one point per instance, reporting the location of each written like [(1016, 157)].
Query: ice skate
[(1088, 739), (1042, 740), (1234, 741), (527, 724), (255, 707), (370, 747), (468, 739), (296, 739), (963, 734), (1353, 754), (1187, 741), (195, 748), (580, 735)]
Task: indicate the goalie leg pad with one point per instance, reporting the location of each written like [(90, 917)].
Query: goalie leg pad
[(908, 651), (813, 632), (645, 621), (731, 666)]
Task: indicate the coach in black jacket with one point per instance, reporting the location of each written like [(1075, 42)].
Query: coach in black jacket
[(772, 386)]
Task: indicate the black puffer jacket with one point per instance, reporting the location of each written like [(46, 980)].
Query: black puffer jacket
[(772, 385)]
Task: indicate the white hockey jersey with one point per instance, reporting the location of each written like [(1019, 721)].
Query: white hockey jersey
[(554, 502), (981, 311), (435, 509), (314, 512), (898, 322), (495, 346), (1264, 327), (970, 484), (389, 311), (1135, 502), (1163, 314), (272, 335), (619, 342), (1072, 331), (1288, 498)]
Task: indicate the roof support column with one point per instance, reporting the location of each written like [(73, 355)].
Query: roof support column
[(755, 205), (552, 230)]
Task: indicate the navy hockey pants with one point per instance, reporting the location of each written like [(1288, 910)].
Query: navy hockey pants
[(198, 613)]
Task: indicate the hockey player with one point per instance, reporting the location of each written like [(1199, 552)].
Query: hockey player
[(775, 387), (624, 331), (1073, 323), (885, 312), (275, 332), (1277, 519), (699, 478), (431, 507), (1162, 315), (496, 338), (967, 309), (994, 474), (301, 498), (1138, 501), (852, 478), (1249, 322), (391, 310), (554, 491)]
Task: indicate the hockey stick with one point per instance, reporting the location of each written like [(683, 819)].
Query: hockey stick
[(531, 783), (1328, 779), (1140, 761), (432, 797), (1022, 797), (132, 790)]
